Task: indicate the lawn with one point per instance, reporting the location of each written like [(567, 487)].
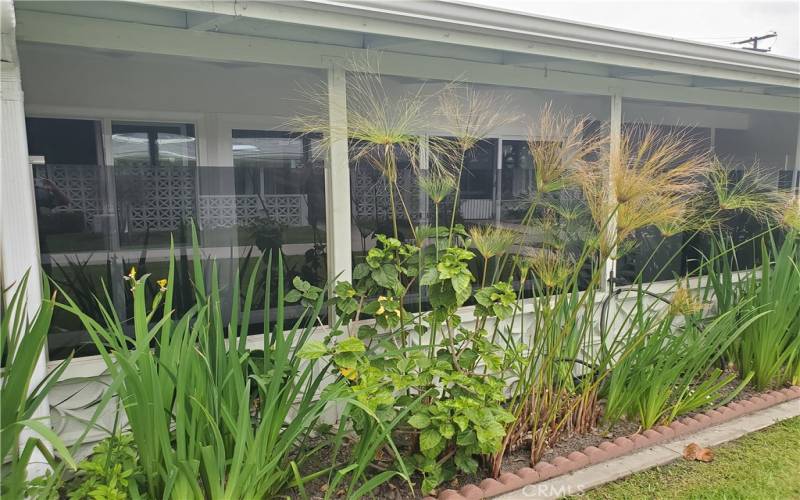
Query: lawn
[(763, 465)]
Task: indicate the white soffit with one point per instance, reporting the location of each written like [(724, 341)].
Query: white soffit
[(323, 24)]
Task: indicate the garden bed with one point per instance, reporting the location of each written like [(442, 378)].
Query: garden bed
[(607, 449)]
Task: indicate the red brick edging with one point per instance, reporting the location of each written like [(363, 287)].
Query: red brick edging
[(510, 481)]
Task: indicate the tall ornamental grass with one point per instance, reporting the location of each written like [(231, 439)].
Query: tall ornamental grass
[(212, 418)]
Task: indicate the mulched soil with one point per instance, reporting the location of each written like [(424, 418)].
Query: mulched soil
[(398, 490)]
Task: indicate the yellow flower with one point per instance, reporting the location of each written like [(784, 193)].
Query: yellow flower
[(131, 274), (162, 283), (349, 373), (684, 302)]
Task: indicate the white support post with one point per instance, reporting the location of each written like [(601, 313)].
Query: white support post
[(498, 182), (424, 166), (19, 241), (337, 177), (796, 176), (615, 143)]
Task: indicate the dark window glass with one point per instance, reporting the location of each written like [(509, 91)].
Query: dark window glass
[(748, 143), (518, 181), (159, 144), (96, 221), (62, 141), (74, 217), (655, 257), (371, 208)]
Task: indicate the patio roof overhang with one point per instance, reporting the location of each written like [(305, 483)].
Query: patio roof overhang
[(441, 40)]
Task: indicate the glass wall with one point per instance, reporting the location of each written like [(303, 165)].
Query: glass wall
[(759, 146), (97, 221)]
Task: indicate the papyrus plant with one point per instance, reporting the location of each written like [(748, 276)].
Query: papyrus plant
[(381, 126)]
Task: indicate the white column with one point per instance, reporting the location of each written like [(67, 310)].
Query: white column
[(615, 143), (498, 184), (424, 166), (337, 177), (796, 175), (19, 242)]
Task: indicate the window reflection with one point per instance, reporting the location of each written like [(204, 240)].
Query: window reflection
[(153, 144), (98, 221), (518, 181)]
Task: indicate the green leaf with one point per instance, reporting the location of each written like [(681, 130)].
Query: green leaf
[(313, 349), (419, 421), (466, 463), (301, 284), (292, 296), (350, 344), (361, 271), (447, 430), (429, 276), (429, 439), (462, 421), (385, 276), (366, 332), (346, 360)]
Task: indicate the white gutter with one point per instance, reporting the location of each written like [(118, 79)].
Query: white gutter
[(478, 26)]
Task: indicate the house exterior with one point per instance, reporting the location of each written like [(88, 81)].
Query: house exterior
[(122, 121)]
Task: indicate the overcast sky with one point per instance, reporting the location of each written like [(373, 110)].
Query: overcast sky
[(710, 21)]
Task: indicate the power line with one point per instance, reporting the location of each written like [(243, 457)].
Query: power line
[(754, 41)]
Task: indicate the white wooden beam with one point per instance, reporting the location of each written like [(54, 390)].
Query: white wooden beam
[(207, 22), (19, 240), (115, 35), (337, 177), (522, 59), (384, 42), (615, 143)]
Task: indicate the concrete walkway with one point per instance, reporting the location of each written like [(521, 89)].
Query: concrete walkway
[(596, 475)]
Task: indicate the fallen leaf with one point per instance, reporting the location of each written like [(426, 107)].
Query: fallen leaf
[(693, 451), (705, 455), (690, 452)]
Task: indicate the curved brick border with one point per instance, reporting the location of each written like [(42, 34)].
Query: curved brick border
[(607, 450)]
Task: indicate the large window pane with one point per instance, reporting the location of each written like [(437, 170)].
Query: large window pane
[(518, 180), (750, 144), (75, 220), (98, 221), (153, 144)]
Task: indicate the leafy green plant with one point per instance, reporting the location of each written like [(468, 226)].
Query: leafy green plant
[(200, 404), (770, 346), (110, 471), (670, 371), (22, 341), (462, 416)]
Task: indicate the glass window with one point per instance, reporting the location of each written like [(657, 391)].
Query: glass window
[(518, 180), (748, 143), (97, 221), (74, 217), (161, 144), (478, 183), (371, 208)]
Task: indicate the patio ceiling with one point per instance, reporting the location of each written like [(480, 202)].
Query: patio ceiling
[(522, 46)]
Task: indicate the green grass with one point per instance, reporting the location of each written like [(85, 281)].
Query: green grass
[(763, 465)]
